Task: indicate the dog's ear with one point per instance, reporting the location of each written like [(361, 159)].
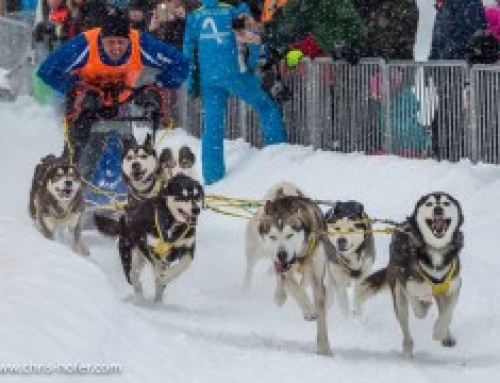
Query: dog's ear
[(186, 156), (330, 215), (166, 158), (148, 142), (269, 208), (264, 226), (128, 143)]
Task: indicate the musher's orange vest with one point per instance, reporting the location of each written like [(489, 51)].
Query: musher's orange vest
[(270, 8), (96, 73)]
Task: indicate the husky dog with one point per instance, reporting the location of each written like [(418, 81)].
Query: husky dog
[(140, 169), (161, 230), (255, 248), (424, 266), (141, 172), (177, 161), (354, 249), (293, 231), (56, 199)]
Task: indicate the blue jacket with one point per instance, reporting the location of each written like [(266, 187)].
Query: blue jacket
[(209, 31), (455, 24), (56, 70)]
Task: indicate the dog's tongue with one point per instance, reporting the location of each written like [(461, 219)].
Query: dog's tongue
[(438, 223)]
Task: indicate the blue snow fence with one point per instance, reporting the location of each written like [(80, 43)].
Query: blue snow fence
[(108, 174)]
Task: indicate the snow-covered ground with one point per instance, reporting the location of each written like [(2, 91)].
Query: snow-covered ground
[(59, 308)]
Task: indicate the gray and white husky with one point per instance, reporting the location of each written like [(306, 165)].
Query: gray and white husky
[(354, 250), (56, 200), (424, 266), (291, 231)]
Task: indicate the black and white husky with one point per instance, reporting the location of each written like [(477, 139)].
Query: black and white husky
[(161, 230), (141, 173), (424, 266), (354, 250), (291, 231), (56, 200)]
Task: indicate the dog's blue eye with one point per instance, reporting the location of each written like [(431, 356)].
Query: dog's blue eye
[(289, 236), (144, 156), (429, 204), (446, 203), (351, 230), (272, 237)]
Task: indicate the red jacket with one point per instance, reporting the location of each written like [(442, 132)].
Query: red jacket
[(308, 46)]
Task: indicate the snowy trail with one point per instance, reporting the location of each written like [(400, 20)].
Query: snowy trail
[(56, 307)]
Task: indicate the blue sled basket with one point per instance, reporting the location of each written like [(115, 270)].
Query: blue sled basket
[(107, 176)]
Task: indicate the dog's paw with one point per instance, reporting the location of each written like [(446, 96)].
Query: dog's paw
[(310, 315), (449, 341), (280, 297), (82, 249), (441, 332), (408, 348)]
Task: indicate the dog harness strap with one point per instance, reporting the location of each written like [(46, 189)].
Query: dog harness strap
[(162, 248), (440, 288), (299, 266)]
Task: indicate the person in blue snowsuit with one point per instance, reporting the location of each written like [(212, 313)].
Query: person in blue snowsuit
[(210, 42)]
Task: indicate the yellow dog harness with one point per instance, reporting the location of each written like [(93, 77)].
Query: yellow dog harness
[(440, 288), (163, 248)]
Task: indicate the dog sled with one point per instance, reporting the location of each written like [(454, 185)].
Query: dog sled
[(99, 165)]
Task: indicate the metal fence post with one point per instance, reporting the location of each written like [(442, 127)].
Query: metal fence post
[(473, 153), (387, 136), (312, 105)]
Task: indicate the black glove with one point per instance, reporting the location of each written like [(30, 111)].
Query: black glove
[(91, 101), (148, 99)]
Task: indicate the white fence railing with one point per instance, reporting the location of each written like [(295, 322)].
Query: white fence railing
[(442, 110)]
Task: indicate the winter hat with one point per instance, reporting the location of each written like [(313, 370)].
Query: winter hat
[(115, 24)]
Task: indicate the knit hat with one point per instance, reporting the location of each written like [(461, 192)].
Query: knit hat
[(115, 24)]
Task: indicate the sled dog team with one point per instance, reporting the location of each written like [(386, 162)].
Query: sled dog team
[(310, 250)]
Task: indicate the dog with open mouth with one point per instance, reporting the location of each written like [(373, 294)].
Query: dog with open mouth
[(350, 231), (161, 230), (141, 173), (292, 232), (56, 200), (424, 266)]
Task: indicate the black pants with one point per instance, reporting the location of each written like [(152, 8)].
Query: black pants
[(80, 129)]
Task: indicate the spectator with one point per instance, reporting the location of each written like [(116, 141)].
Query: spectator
[(168, 22), (213, 31), (391, 28), (334, 24), (456, 23), (137, 10), (56, 28)]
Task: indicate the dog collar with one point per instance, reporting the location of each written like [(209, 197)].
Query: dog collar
[(440, 288)]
